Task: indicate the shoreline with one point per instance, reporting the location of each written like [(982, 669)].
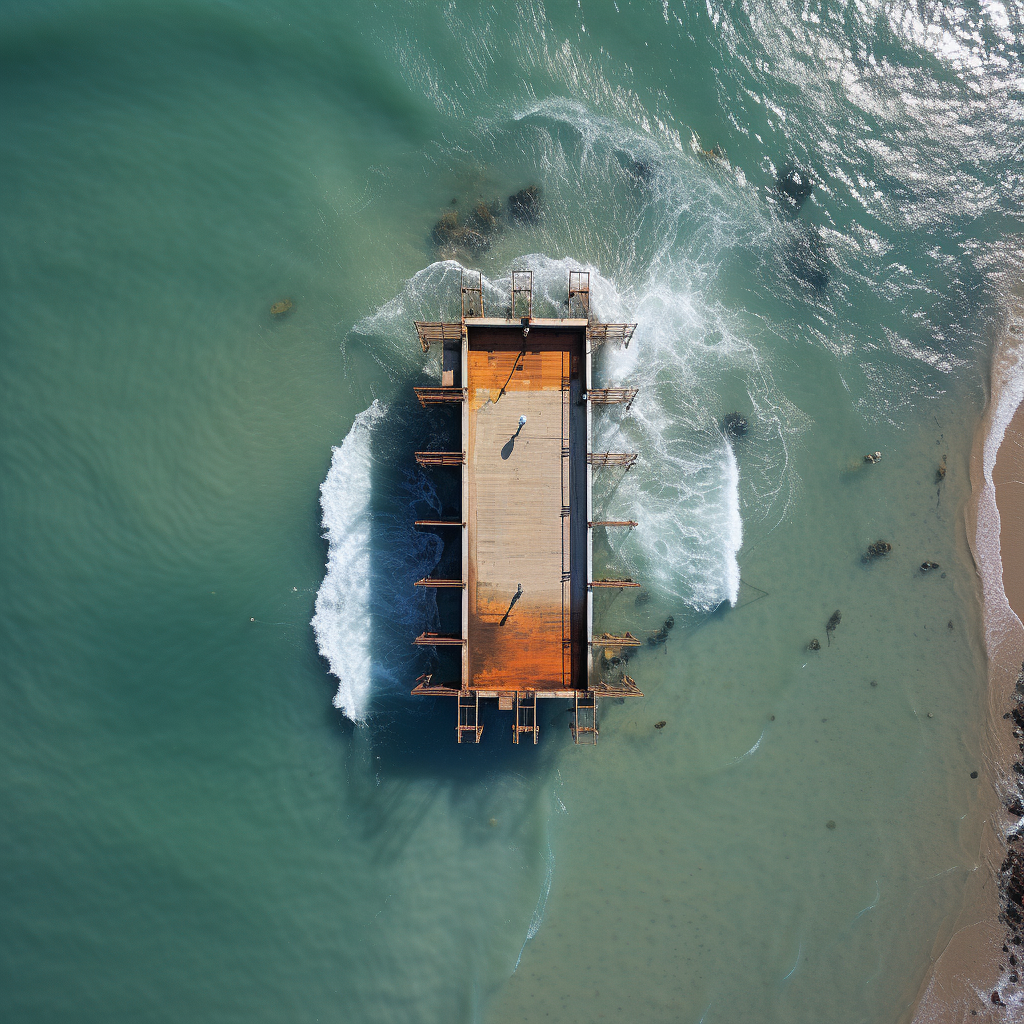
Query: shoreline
[(972, 976)]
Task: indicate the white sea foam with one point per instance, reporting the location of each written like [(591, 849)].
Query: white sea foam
[(686, 491), (693, 358), (342, 619), (1007, 395)]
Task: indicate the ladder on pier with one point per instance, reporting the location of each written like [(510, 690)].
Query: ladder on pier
[(525, 719), (584, 725), (522, 287), (472, 295), (579, 294), (469, 717)]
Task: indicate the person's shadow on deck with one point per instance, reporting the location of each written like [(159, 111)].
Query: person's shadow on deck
[(518, 594), (506, 451)]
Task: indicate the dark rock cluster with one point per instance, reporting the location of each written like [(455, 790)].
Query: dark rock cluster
[(477, 230), (1011, 871), (734, 424), (657, 638), (830, 626), (793, 187), (808, 259), (877, 550), (524, 205)]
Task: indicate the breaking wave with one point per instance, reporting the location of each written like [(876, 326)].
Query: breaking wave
[(686, 490), (1007, 396), (342, 621)]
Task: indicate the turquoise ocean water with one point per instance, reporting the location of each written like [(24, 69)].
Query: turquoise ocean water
[(191, 829)]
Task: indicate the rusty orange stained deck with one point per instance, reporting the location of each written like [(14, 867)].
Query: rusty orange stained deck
[(525, 466), (517, 534)]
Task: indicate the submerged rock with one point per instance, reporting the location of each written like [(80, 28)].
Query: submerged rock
[(524, 205), (830, 626), (814, 645), (928, 566), (447, 228), (873, 457), (940, 472), (640, 172), (485, 217), (877, 550), (449, 232), (793, 187), (655, 639), (280, 308), (808, 260), (734, 424)]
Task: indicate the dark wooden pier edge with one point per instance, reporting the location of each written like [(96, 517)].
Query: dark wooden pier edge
[(521, 385)]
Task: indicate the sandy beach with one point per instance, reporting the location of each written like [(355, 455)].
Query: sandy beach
[(1008, 477), (978, 965)]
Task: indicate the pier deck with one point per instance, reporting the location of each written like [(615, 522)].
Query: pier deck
[(519, 484), (526, 562)]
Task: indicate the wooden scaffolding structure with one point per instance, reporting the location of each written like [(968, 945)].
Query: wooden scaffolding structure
[(483, 362)]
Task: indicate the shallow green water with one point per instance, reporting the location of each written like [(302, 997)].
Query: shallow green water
[(190, 829)]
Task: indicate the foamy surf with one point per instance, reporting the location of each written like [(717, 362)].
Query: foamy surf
[(342, 619), (1007, 395), (686, 491)]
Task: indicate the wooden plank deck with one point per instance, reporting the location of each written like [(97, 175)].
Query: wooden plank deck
[(517, 533)]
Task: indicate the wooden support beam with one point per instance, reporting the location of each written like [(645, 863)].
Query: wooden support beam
[(437, 332), (631, 523), (428, 582), (425, 688), (441, 458), (439, 640), (438, 396), (614, 640), (613, 583), (600, 333), (625, 687), (625, 459), (439, 522), (612, 396)]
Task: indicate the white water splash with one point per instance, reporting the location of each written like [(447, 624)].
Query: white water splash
[(685, 493), (342, 619), (1008, 393)]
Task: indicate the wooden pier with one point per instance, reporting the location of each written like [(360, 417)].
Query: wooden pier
[(522, 387)]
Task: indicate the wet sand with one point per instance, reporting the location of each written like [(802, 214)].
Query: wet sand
[(1008, 476), (973, 977)]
